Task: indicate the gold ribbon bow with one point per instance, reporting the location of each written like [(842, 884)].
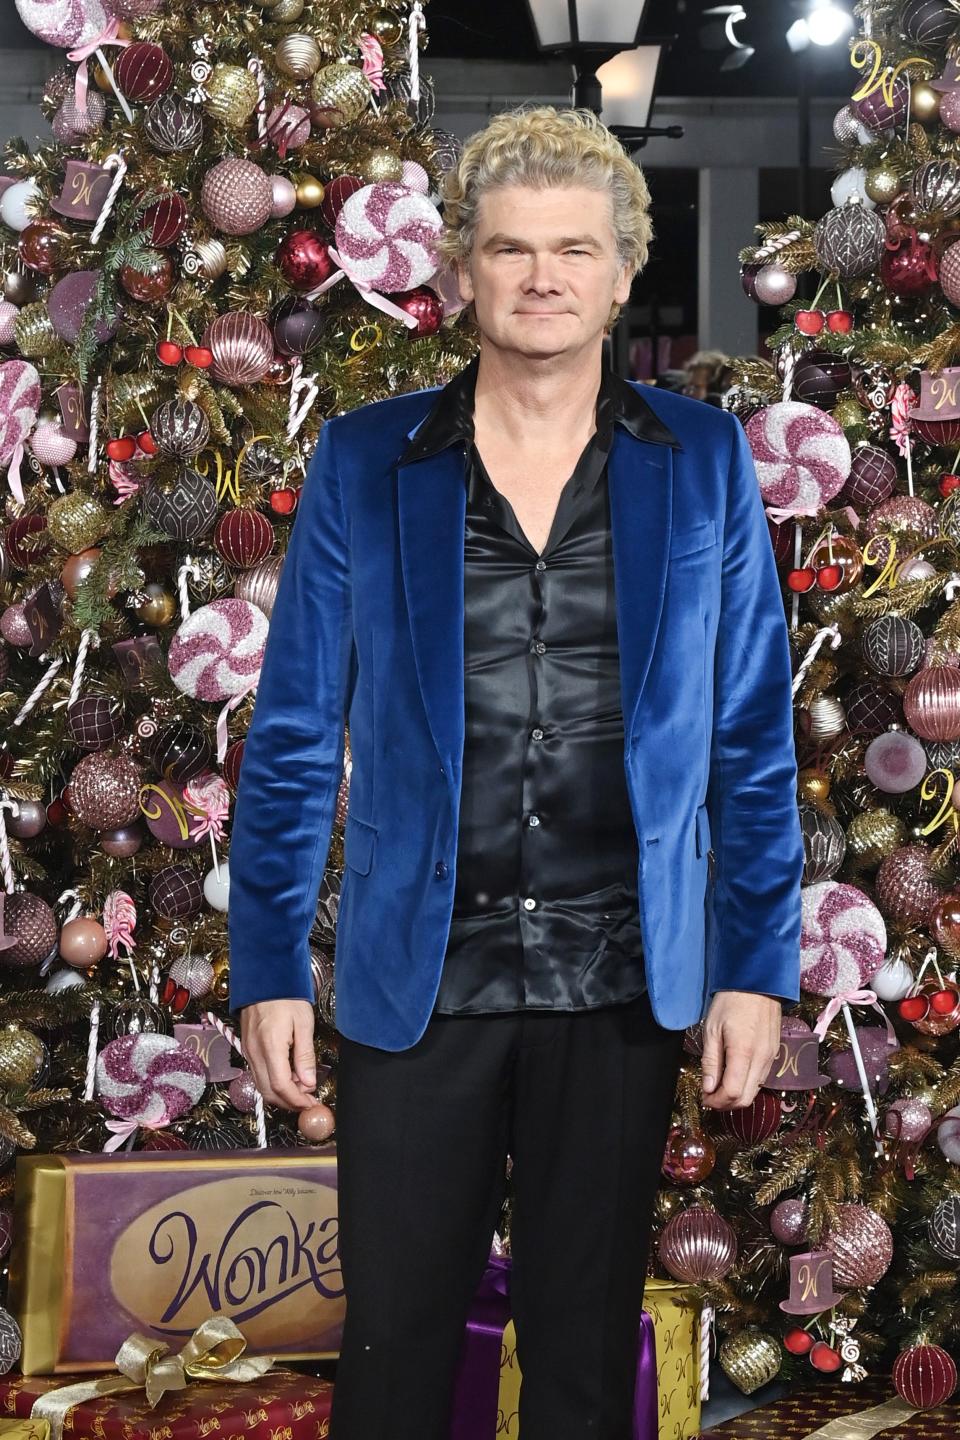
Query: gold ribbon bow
[(213, 1352)]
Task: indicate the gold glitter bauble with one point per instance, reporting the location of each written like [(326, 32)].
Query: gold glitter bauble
[(298, 56), (231, 94), (159, 608), (848, 412), (874, 835), (341, 93), (380, 164), (286, 11), (924, 106), (76, 521), (750, 1358), (206, 259), (129, 395), (813, 785), (33, 331), (22, 1057), (387, 26), (309, 192), (882, 182)]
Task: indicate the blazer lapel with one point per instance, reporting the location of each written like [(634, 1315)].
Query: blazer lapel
[(431, 499)]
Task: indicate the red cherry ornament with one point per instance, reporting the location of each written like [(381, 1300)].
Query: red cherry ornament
[(948, 483), (198, 356), (914, 1007), (146, 443), (169, 352), (840, 321), (283, 502), (802, 580), (809, 322), (824, 1357), (798, 1342), (123, 448), (829, 576)]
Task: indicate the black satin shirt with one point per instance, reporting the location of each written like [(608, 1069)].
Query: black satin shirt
[(545, 912)]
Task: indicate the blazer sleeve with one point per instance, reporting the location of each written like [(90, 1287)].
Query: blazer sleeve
[(754, 819), (293, 756)]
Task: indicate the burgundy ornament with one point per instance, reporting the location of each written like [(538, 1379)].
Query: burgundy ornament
[(424, 305), (176, 892), (232, 761), (874, 111), (754, 1122), (165, 220), (909, 266), (94, 721), (167, 816), (143, 71), (153, 284), (42, 244), (243, 537), (335, 192), (180, 752), (819, 377), (304, 260), (22, 541)]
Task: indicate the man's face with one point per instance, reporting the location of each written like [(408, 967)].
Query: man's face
[(544, 271)]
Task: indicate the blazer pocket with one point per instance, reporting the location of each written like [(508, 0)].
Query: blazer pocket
[(692, 537), (358, 843)]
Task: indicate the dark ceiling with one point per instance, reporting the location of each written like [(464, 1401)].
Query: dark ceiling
[(501, 30)]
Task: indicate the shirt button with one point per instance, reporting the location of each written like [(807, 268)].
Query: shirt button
[(537, 646), (536, 734), (541, 564), (529, 903), (534, 820), (441, 870)]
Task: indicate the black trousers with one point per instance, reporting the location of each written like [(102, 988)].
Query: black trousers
[(581, 1101)]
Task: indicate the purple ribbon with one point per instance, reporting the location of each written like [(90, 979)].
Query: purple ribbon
[(476, 1393)]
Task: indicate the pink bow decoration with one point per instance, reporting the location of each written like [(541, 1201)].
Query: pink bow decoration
[(779, 513), (123, 483), (372, 52), (367, 292), (209, 795), (224, 715), (119, 919), (123, 1129), (852, 997), (82, 54), (13, 474)]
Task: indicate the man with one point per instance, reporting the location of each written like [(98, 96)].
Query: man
[(548, 607)]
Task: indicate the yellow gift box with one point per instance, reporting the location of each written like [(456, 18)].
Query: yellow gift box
[(675, 1313)]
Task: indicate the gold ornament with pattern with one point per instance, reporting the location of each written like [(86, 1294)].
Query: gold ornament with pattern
[(33, 331), (341, 93), (286, 11), (231, 94), (130, 394), (76, 521), (848, 412), (882, 182), (22, 1057), (298, 56), (874, 835), (751, 1358), (814, 786)]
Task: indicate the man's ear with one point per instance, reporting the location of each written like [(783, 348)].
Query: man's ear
[(464, 283)]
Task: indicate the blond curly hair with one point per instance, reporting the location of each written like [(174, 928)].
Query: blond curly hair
[(542, 146)]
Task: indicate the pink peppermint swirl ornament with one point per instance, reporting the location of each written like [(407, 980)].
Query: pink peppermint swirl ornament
[(218, 651), (64, 22), (801, 455), (843, 938), (387, 235), (149, 1079)]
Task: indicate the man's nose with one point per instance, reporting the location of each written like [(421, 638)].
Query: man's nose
[(542, 273)]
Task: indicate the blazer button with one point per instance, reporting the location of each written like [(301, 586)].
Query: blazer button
[(441, 870)]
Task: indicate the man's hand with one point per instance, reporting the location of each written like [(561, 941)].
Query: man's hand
[(741, 1037), (269, 1031)]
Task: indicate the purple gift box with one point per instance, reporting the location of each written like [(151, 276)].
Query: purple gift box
[(488, 1379)]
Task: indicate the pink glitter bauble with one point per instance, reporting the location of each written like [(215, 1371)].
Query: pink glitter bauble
[(20, 394), (698, 1244), (237, 196), (415, 177), (949, 110), (49, 444), (218, 650), (387, 234), (105, 790), (801, 454), (907, 1119), (843, 938), (149, 1078), (950, 261), (242, 348), (861, 1245), (8, 319), (905, 887), (242, 1091), (788, 1222), (284, 194), (14, 627), (63, 22)]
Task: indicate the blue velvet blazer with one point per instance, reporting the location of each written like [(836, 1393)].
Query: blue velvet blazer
[(368, 626)]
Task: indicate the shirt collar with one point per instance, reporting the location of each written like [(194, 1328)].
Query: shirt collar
[(451, 417)]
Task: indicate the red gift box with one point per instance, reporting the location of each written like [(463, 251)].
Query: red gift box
[(282, 1402)]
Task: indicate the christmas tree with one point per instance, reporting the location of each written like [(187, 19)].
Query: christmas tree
[(187, 296), (847, 1161)]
